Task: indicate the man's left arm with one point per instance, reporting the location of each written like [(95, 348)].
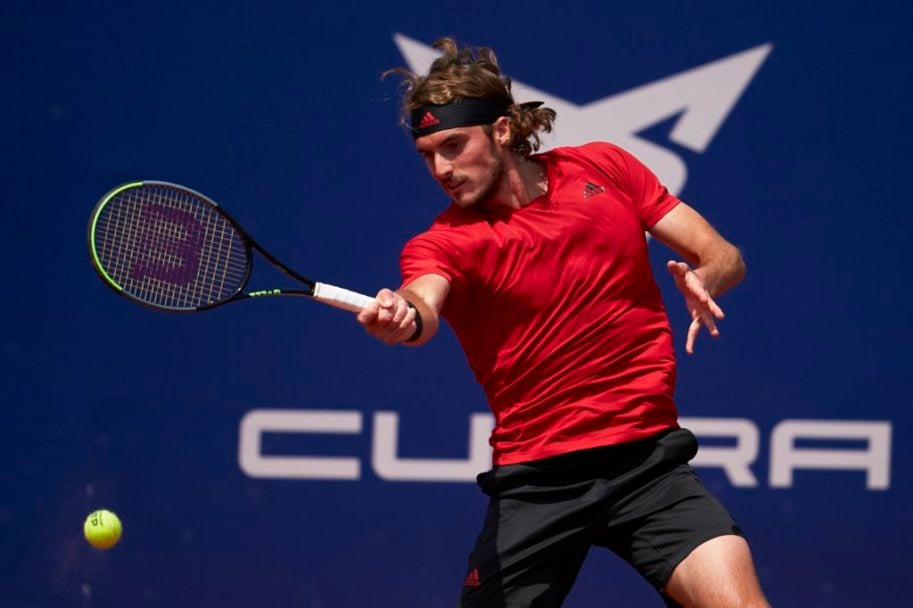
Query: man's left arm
[(712, 265)]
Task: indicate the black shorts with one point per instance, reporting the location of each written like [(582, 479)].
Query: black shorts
[(641, 500)]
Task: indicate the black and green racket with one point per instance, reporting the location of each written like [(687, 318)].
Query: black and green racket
[(171, 248)]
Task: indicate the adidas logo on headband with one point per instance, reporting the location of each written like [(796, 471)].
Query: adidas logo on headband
[(465, 112), (428, 120)]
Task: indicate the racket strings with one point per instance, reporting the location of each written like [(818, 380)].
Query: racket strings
[(166, 247)]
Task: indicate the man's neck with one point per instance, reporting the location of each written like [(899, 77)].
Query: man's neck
[(524, 180)]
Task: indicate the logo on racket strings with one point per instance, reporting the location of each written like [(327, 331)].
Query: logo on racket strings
[(169, 246)]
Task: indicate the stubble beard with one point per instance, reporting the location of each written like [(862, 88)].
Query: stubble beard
[(490, 186)]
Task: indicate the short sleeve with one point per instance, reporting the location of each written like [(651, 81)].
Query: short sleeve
[(651, 200), (426, 254)]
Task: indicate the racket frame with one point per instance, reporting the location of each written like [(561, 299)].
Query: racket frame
[(249, 244)]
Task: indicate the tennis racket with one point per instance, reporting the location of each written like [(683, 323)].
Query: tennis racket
[(170, 248)]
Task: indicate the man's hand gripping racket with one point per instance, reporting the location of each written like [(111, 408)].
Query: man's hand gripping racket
[(170, 248)]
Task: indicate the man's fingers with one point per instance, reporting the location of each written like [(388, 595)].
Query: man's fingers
[(401, 331), (384, 315), (710, 322), (401, 310), (692, 335), (679, 269), (704, 310), (716, 310), (388, 306), (408, 319), (368, 314), (689, 282), (386, 298), (700, 318), (391, 320)]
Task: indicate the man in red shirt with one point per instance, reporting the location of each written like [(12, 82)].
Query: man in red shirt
[(540, 265)]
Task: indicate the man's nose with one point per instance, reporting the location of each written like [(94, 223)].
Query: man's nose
[(443, 168)]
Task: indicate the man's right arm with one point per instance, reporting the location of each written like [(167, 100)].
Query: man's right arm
[(391, 320)]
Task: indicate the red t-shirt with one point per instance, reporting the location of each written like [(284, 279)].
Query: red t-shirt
[(556, 307)]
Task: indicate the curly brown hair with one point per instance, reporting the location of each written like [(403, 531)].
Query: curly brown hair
[(472, 73)]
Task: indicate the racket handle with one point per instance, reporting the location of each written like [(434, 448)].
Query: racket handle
[(341, 298)]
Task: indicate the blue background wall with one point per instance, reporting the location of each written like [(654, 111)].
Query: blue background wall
[(276, 111)]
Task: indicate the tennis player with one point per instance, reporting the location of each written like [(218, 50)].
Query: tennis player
[(540, 265)]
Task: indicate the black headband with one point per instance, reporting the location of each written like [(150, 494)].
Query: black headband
[(465, 112)]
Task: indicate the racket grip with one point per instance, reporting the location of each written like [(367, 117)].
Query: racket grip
[(341, 298)]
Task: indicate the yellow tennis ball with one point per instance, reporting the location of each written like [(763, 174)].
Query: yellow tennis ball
[(102, 529)]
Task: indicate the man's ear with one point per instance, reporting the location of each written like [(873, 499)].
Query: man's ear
[(500, 131)]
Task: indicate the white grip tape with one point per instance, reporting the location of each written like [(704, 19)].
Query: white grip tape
[(341, 298)]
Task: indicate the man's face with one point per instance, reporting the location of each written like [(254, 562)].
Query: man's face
[(465, 161)]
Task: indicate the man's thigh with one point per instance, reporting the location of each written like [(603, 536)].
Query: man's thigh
[(658, 530), (718, 574)]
